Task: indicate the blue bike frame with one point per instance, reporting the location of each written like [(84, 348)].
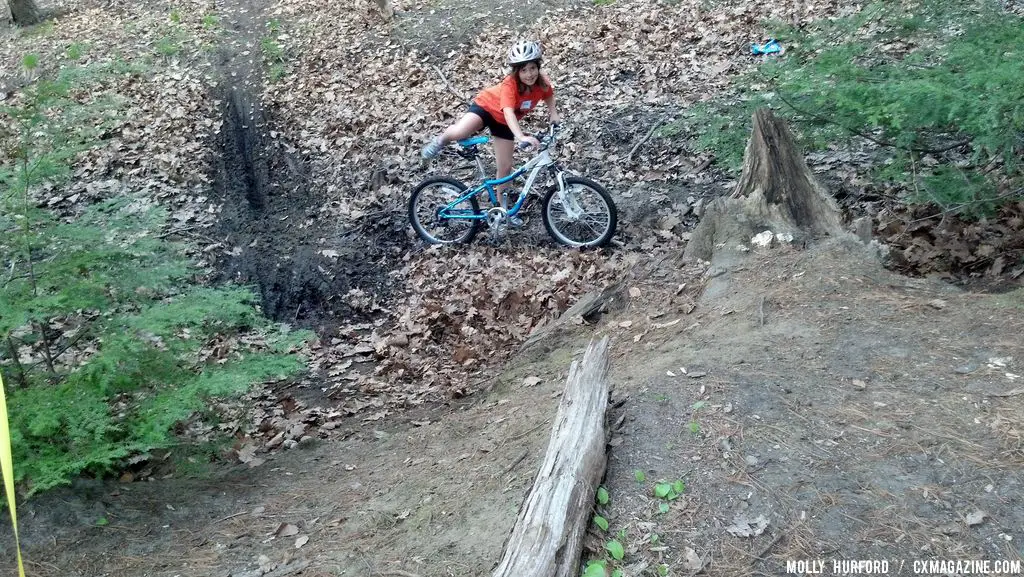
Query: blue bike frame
[(533, 166)]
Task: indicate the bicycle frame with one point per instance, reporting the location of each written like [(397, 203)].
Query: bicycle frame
[(534, 166)]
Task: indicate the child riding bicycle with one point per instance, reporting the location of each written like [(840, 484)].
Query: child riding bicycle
[(500, 107)]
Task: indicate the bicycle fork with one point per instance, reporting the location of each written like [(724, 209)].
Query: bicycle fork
[(573, 210)]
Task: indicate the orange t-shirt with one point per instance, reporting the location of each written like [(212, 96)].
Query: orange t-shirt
[(506, 95)]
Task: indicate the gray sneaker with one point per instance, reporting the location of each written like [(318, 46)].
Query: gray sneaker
[(432, 148), (516, 222)]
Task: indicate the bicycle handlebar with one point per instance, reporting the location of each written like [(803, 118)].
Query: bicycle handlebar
[(546, 138)]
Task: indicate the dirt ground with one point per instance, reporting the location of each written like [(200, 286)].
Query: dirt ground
[(816, 405), (848, 413)]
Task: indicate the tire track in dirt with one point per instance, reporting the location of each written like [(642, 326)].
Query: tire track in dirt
[(271, 220)]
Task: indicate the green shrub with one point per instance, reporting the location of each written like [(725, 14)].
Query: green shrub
[(918, 81), (120, 333)]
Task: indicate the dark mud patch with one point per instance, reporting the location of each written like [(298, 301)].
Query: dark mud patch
[(273, 230)]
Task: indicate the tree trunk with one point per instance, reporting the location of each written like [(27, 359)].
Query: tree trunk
[(23, 12), (5, 13), (548, 536), (776, 192)]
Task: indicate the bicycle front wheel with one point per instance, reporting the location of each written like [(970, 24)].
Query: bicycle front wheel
[(583, 217), (436, 219)]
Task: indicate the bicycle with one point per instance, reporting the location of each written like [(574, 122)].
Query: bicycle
[(576, 211)]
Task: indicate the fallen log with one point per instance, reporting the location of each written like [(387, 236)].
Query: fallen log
[(548, 536), (588, 309)]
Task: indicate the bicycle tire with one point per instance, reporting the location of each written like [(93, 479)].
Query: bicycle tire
[(468, 228), (601, 236)]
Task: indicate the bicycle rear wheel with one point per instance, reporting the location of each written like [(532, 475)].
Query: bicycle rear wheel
[(434, 220), (586, 217)]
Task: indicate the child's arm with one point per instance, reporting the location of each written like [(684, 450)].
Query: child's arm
[(517, 131), (553, 115)]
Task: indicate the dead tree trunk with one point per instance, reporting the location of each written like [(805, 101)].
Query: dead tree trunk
[(776, 192), (22, 12), (5, 13), (548, 536)]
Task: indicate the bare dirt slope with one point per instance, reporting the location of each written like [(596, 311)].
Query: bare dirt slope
[(818, 406), (845, 413)]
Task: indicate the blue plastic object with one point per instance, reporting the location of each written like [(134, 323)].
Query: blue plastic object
[(474, 140), (770, 47)]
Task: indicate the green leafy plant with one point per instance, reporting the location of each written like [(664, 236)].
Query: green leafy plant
[(615, 549), (30, 62), (274, 54), (169, 44), (601, 522), (918, 81), (662, 570), (211, 21), (118, 336), (639, 475), (669, 491), (75, 51), (603, 498), (596, 568), (272, 50), (694, 425), (276, 72)]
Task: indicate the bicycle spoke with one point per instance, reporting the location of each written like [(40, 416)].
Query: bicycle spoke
[(580, 216), (596, 221), (438, 219)]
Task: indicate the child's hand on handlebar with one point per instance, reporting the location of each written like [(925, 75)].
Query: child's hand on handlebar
[(528, 143)]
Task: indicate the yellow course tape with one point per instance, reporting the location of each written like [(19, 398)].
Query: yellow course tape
[(7, 463)]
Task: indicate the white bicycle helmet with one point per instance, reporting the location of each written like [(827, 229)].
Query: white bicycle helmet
[(524, 51)]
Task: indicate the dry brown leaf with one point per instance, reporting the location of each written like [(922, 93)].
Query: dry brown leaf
[(532, 381)]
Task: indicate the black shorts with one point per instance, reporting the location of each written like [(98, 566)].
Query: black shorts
[(498, 130)]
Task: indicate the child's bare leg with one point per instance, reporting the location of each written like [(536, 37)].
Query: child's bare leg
[(503, 150), (465, 127)]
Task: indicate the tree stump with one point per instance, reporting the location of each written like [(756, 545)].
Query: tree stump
[(22, 12), (548, 536), (776, 191)]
